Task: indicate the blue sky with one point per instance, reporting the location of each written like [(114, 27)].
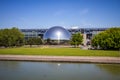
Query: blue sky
[(67, 13)]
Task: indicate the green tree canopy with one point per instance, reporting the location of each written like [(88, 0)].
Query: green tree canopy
[(109, 39), (11, 37), (76, 39)]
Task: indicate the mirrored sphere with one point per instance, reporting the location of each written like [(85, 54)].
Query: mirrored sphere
[(57, 33)]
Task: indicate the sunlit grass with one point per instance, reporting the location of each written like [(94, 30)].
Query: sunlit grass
[(58, 52)]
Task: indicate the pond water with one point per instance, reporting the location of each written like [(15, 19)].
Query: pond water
[(20, 70)]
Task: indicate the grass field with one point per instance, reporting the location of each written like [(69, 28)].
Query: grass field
[(58, 52)]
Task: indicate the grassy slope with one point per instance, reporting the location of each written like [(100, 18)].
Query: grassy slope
[(58, 52)]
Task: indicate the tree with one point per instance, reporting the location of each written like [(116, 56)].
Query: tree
[(34, 41), (39, 41), (17, 36), (76, 39), (109, 39), (11, 37), (31, 42)]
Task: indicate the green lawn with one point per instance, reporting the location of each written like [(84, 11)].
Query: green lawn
[(58, 52)]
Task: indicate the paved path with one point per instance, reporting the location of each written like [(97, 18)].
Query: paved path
[(61, 58)]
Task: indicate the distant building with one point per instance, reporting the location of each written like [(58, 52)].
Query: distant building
[(88, 33)]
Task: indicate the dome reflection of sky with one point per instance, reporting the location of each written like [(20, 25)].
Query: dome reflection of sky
[(56, 33)]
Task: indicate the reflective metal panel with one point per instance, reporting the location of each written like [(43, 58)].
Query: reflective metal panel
[(57, 33)]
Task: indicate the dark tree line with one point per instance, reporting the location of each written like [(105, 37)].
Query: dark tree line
[(34, 41), (11, 37), (109, 39)]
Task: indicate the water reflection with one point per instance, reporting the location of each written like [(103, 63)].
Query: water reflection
[(110, 68), (58, 64), (9, 65), (15, 70)]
